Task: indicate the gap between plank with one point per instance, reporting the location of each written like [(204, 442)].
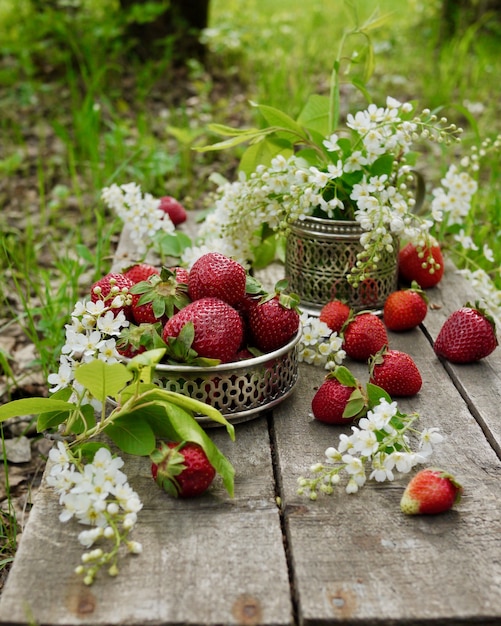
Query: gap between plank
[(463, 393), (279, 502)]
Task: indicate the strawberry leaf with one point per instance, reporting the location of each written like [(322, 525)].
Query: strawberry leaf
[(344, 376)]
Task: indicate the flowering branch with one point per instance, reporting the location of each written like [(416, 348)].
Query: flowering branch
[(379, 444)]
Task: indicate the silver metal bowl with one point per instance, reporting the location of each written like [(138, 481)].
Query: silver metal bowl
[(239, 390)]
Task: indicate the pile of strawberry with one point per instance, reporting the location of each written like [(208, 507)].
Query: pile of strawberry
[(213, 313)]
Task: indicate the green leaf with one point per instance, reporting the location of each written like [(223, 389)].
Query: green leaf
[(382, 165), (262, 152), (234, 141), (355, 404), (281, 122), (315, 114), (33, 406), (132, 435), (187, 429), (103, 380), (172, 244), (344, 376), (85, 421), (89, 448), (375, 394), (166, 398)]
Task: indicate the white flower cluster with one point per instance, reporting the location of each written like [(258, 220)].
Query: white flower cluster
[(319, 345), (91, 335), (378, 443), (141, 214), (454, 196), (341, 185), (485, 292), (96, 494)]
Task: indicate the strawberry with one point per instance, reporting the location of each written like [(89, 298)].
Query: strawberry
[(363, 336), (339, 399), (182, 469), (467, 335), (334, 314), (113, 288), (140, 272), (430, 491), (159, 297), (174, 209), (423, 264), (274, 320), (405, 309), (218, 328), (395, 372), (216, 275)]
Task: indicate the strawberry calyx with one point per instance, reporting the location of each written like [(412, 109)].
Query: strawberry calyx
[(357, 402), (143, 336), (169, 462), (287, 300), (163, 291), (179, 349), (415, 288), (484, 313)]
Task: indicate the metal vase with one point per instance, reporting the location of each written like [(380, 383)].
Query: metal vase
[(320, 254)]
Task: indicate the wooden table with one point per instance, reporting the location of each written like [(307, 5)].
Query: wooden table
[(271, 557)]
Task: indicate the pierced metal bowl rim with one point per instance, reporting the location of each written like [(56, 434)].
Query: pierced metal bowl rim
[(232, 366)]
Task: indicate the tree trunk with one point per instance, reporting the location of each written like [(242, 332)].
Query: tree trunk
[(175, 31)]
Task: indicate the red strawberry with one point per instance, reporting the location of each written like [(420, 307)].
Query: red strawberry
[(273, 321), (159, 297), (182, 274), (334, 314), (109, 287), (363, 336), (217, 326), (182, 469), (174, 209), (395, 372), (140, 272), (217, 276), (430, 491), (467, 335), (424, 264), (405, 309), (339, 399)]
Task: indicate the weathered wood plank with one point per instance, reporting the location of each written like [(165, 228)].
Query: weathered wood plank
[(356, 558), (478, 383), (213, 560)]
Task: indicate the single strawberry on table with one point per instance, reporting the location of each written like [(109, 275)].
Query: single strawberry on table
[(334, 314), (429, 492), (339, 399), (467, 335), (174, 209), (422, 264), (405, 309), (274, 320), (363, 336), (217, 276), (395, 372), (182, 469)]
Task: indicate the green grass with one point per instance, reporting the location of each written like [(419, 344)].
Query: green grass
[(73, 120)]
